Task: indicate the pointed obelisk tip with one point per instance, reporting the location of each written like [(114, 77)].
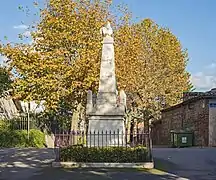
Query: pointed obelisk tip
[(107, 30)]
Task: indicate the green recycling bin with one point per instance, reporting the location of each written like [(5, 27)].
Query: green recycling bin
[(181, 139)]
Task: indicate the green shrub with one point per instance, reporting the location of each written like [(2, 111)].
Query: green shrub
[(16, 138), (36, 138), (4, 125), (19, 138), (105, 154)]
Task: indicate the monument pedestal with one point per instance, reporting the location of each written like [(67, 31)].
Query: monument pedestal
[(106, 131)]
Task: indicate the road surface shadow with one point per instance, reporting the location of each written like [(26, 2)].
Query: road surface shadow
[(32, 164), (189, 173), (80, 174)]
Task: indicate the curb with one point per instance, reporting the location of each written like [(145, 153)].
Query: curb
[(147, 165)]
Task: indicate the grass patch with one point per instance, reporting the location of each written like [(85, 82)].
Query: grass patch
[(154, 171)]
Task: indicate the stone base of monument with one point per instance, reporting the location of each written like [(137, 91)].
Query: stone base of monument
[(144, 165), (106, 131)]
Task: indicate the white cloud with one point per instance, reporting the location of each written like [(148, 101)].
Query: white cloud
[(205, 80), (21, 26), (211, 66), (202, 81), (27, 33)]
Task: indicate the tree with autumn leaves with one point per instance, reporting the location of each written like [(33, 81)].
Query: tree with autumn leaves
[(63, 61)]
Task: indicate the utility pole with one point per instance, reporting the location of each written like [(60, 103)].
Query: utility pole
[(28, 128)]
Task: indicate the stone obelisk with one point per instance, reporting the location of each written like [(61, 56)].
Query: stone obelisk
[(105, 115)]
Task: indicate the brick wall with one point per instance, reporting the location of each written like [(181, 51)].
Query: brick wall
[(171, 120), (193, 116), (156, 133)]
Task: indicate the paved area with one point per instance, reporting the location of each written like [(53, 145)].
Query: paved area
[(33, 164), (192, 163), (23, 163)]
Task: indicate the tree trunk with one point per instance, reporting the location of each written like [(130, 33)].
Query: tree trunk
[(74, 126), (128, 128)]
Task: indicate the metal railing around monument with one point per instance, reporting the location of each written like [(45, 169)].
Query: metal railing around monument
[(101, 139)]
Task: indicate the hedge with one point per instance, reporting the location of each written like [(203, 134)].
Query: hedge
[(36, 138), (19, 138), (105, 154)]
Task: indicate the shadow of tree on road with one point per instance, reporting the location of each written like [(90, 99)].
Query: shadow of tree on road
[(34, 164), (191, 173), (165, 165), (83, 174)]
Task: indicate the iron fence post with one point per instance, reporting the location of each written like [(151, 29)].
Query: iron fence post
[(56, 148), (57, 153)]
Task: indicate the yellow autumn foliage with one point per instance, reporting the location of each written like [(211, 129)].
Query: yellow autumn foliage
[(64, 60)]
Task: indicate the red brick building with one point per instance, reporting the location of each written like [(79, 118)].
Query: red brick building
[(197, 113)]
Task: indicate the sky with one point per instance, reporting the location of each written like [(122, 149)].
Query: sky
[(191, 21)]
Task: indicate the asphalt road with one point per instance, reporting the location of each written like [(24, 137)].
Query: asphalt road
[(192, 163), (34, 164)]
